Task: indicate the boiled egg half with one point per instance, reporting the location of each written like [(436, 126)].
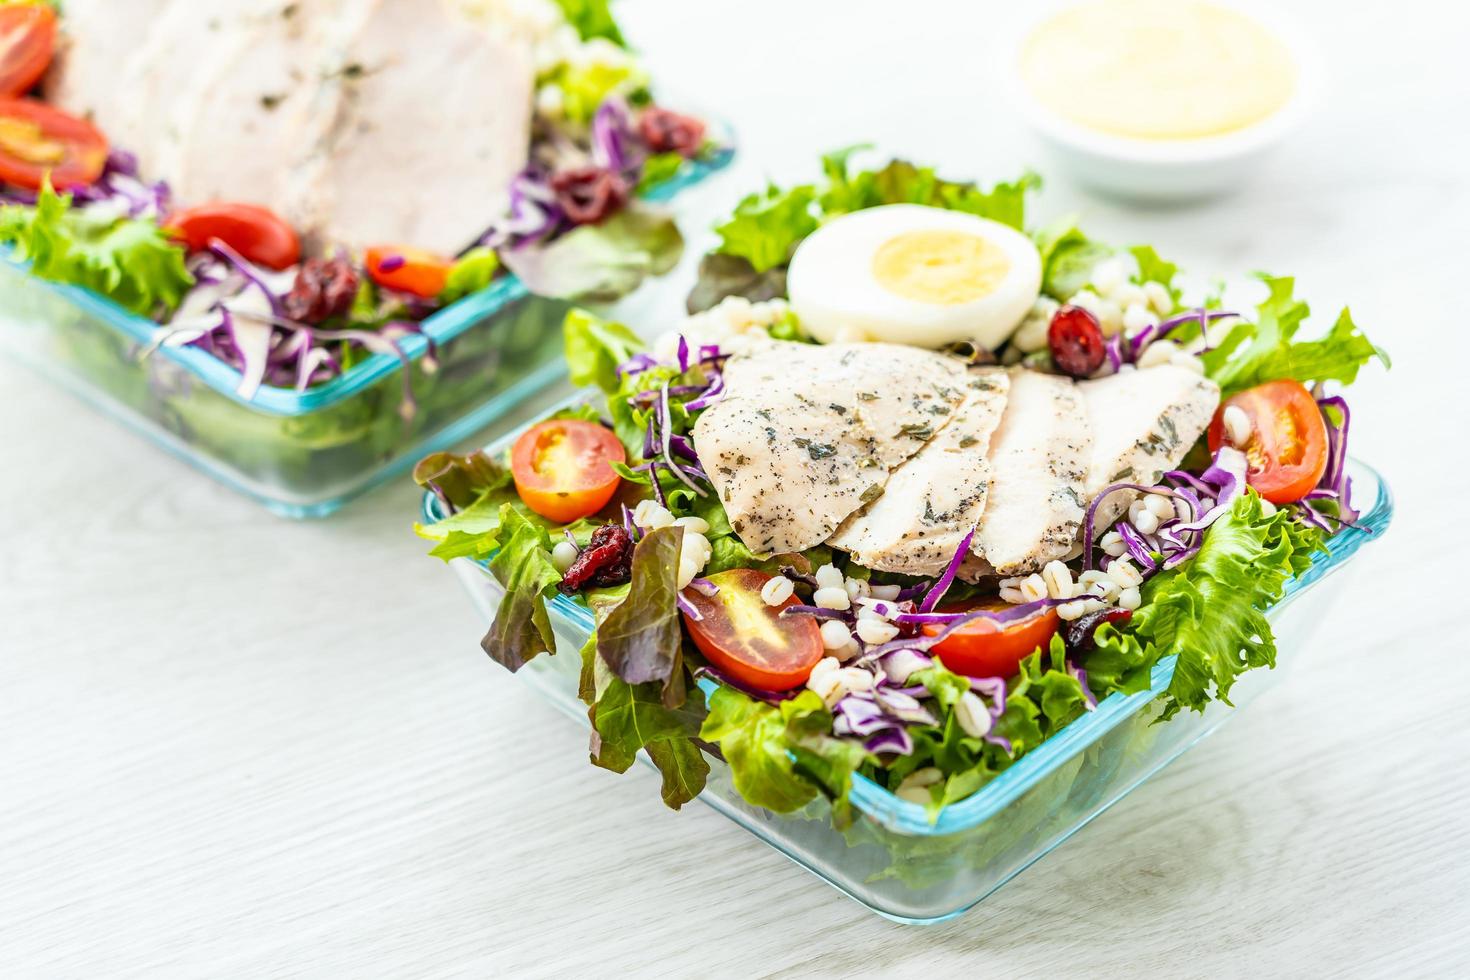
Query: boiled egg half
[(911, 274)]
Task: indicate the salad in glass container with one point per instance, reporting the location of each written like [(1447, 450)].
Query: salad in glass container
[(914, 486), (293, 212)]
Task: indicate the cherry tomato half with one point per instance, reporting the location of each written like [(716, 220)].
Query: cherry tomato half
[(257, 233), (37, 140), (1287, 448), (749, 640), (27, 40), (408, 270), (985, 648), (563, 468)]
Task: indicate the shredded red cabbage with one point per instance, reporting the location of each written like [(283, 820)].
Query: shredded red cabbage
[(947, 579)]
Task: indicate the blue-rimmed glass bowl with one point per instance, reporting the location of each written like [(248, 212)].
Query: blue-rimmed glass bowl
[(893, 859), (302, 454)]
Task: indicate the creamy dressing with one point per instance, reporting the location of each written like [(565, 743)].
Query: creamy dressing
[(1158, 69)]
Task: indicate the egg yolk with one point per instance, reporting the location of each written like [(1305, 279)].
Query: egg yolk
[(943, 268)]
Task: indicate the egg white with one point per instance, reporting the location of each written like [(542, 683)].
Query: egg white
[(838, 298)]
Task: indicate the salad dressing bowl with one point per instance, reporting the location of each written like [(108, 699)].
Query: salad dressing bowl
[(910, 868), (302, 454)]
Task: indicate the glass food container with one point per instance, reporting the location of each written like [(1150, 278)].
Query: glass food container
[(893, 859), (301, 454)]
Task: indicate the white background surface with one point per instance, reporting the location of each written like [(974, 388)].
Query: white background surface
[(233, 745)]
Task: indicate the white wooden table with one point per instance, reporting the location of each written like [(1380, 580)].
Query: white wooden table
[(236, 746)]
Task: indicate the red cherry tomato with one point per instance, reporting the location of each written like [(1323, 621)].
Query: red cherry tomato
[(1287, 448), (27, 41), (563, 468), (257, 233), (749, 641), (37, 141), (408, 270), (985, 648)]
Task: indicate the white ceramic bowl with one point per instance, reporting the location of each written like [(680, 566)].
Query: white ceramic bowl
[(1154, 170)]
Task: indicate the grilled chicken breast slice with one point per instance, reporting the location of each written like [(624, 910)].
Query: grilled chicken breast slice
[(98, 41), (433, 123), (1039, 458), (242, 133), (1144, 421), (807, 434), (935, 498)]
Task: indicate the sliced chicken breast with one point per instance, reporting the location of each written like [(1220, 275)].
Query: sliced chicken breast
[(241, 134), (100, 39), (171, 71), (1143, 423), (807, 434), (934, 499), (433, 123), (1039, 459)]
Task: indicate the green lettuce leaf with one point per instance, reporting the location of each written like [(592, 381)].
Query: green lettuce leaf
[(780, 756), (628, 717), (1152, 267), (1042, 698), (129, 260), (641, 638), (594, 349), (592, 18), (470, 273), (1067, 257), (522, 627), (601, 262), (901, 182), (658, 168), (461, 479), (722, 275), (1211, 611), (1252, 353), (766, 227)]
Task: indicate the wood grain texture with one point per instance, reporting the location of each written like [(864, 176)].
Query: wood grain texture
[(232, 745)]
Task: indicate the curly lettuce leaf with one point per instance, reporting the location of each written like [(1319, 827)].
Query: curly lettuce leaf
[(1153, 267), (766, 227), (1042, 698), (782, 755), (901, 182), (1211, 611), (595, 348), (1267, 350), (129, 260), (1067, 257)]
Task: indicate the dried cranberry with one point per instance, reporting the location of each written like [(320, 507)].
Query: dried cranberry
[(670, 132), (589, 194), (1081, 633), (1076, 341), (324, 288), (606, 561)]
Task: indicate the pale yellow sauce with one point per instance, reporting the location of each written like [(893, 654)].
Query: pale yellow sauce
[(1158, 69), (944, 268)]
